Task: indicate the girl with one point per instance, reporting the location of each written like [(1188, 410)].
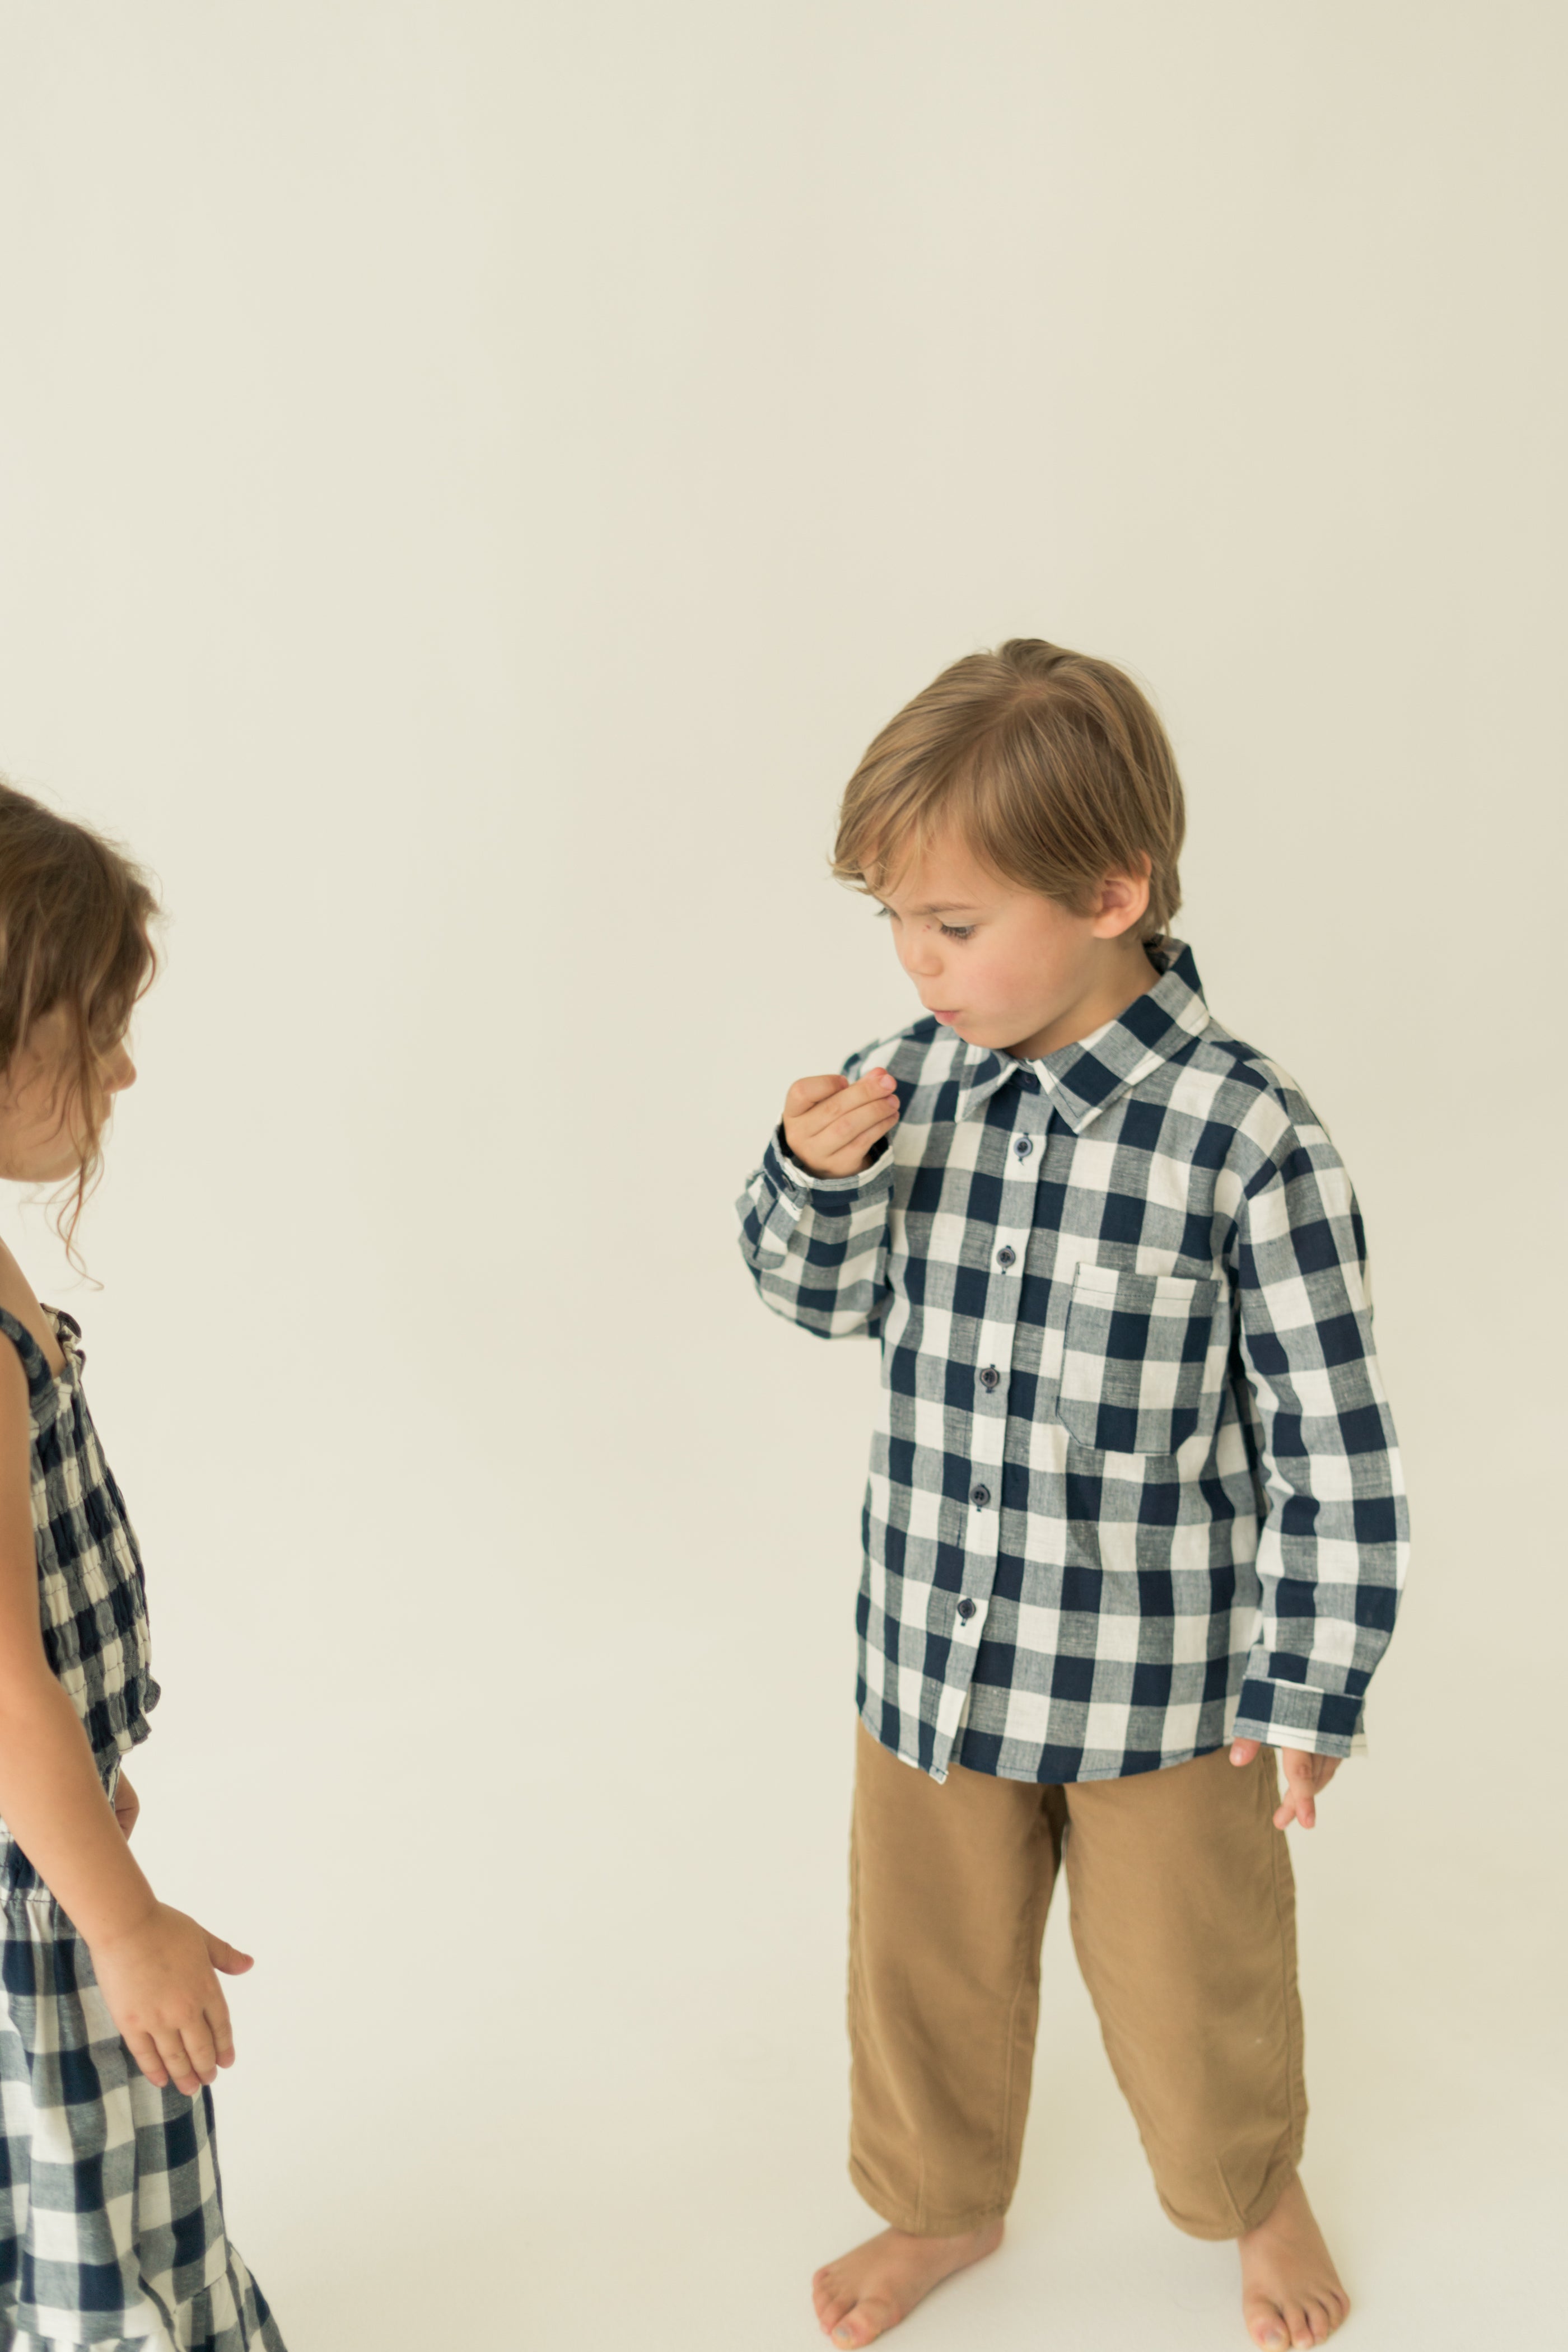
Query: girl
[(112, 2022)]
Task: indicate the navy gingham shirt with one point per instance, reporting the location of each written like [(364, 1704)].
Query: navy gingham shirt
[(1134, 1487)]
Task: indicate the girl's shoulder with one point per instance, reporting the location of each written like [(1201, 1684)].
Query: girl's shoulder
[(18, 1298)]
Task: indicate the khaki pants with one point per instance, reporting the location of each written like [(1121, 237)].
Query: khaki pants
[(1184, 1918)]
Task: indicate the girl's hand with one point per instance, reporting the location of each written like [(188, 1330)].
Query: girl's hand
[(831, 1126), (127, 1804), (1304, 1776), (157, 1977)]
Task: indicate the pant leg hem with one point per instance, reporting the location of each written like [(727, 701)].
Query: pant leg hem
[(1276, 2182), (914, 2219)]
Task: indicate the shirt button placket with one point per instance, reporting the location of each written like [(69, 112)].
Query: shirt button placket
[(992, 1374)]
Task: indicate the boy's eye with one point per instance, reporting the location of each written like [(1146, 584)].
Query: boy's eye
[(958, 931)]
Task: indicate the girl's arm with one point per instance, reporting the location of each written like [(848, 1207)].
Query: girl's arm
[(153, 1965), (51, 1799)]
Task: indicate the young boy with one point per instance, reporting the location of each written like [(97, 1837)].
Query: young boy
[(1135, 1528)]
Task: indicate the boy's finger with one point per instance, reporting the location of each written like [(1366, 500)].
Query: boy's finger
[(1298, 1805), (849, 1158), (875, 1092), (865, 1120), (876, 1087), (807, 1092)]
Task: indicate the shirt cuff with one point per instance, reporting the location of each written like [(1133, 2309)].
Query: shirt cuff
[(788, 1176), (1293, 1715)]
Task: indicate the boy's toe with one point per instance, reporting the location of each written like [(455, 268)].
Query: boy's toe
[(1266, 2323), (831, 2310), (868, 2320)]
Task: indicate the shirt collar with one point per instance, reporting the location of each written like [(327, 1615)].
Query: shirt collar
[(1079, 1080)]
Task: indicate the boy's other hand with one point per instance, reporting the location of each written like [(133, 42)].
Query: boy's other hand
[(1304, 1775), (831, 1127)]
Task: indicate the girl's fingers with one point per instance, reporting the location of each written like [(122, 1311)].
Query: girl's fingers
[(217, 2019), (176, 2061), (144, 2050), (228, 1957), (201, 2052)]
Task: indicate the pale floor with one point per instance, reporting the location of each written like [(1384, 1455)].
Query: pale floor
[(546, 2043), (645, 2151)]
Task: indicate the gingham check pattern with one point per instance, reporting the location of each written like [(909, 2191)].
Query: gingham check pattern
[(112, 2229), (1134, 1486), (92, 1597)]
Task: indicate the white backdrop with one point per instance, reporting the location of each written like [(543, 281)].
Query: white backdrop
[(474, 478)]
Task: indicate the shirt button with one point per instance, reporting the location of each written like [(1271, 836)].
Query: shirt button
[(990, 1378), (1028, 1081), (1006, 1255), (966, 1610), (980, 1496), (1023, 1145)]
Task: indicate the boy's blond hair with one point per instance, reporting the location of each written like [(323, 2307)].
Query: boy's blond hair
[(1052, 765)]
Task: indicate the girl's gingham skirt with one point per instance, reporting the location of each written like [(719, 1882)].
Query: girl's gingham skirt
[(112, 2229)]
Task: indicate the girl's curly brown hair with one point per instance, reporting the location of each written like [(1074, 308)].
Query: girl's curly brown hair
[(76, 932)]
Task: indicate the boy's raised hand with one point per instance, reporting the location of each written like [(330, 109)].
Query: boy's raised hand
[(831, 1126), (1304, 1775)]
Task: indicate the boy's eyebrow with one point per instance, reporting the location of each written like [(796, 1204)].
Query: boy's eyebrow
[(941, 907)]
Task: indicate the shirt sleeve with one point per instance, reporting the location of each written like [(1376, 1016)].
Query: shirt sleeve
[(1334, 1534), (818, 1246)]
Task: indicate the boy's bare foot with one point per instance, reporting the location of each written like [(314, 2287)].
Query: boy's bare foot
[(1291, 2291), (862, 2294)]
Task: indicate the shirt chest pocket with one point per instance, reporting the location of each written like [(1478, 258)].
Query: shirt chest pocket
[(1143, 1362)]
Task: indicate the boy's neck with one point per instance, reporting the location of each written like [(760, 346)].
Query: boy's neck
[(1109, 988)]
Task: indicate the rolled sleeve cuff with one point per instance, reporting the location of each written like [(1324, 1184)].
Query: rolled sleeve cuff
[(1292, 1714), (794, 1182)]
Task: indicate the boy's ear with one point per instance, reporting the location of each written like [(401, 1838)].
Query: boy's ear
[(1123, 900)]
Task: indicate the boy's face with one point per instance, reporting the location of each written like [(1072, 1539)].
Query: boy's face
[(1007, 967)]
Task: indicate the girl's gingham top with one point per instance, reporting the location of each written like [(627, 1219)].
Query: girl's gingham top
[(92, 1598), (1134, 1487)]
